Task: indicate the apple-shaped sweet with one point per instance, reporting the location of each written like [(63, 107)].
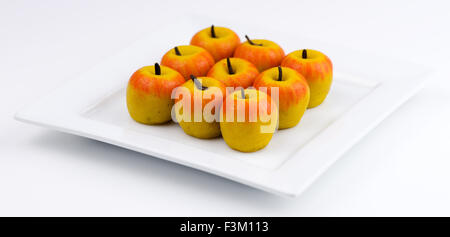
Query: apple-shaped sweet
[(188, 60), (199, 106), (317, 69), (149, 94), (248, 119), (293, 93), (220, 42), (264, 54), (234, 72)]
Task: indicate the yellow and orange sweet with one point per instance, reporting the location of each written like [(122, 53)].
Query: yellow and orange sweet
[(203, 91), (264, 54), (188, 60), (247, 130), (293, 93), (234, 72), (220, 42), (317, 69), (149, 94)]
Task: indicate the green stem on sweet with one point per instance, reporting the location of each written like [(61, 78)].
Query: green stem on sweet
[(251, 42), (157, 69), (304, 54), (280, 74), (242, 93), (213, 32), (197, 83), (177, 51), (230, 69)]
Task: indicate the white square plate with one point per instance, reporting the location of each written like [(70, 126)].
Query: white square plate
[(365, 90)]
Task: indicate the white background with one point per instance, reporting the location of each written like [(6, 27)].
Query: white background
[(401, 168)]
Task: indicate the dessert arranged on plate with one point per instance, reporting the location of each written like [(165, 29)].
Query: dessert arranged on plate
[(218, 86)]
